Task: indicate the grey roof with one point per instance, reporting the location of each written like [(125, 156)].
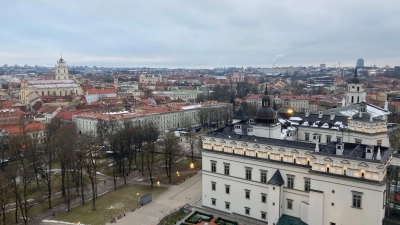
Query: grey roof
[(350, 110), (325, 120), (276, 179), (350, 151), (355, 150), (240, 115)]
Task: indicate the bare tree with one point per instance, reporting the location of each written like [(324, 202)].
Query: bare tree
[(172, 151), (5, 195), (202, 116), (21, 174), (192, 141), (66, 140), (151, 134), (101, 130), (91, 152)]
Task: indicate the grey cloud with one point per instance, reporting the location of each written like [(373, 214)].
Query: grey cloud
[(206, 33)]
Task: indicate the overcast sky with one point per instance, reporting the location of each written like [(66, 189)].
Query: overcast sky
[(200, 33)]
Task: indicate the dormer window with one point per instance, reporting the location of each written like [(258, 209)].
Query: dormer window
[(368, 150), (339, 147)]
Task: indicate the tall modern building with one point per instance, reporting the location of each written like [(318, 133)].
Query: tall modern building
[(360, 63)]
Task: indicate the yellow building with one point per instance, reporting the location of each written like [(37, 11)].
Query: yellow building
[(62, 85)]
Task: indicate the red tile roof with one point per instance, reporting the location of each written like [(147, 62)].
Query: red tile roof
[(67, 115), (18, 129)]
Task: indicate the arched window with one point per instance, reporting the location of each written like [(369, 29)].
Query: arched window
[(58, 70), (352, 99), (358, 88), (358, 99)]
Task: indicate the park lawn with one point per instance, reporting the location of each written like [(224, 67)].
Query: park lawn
[(109, 205), (35, 210), (171, 220), (182, 166)]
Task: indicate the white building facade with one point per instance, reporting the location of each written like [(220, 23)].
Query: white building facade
[(266, 178)]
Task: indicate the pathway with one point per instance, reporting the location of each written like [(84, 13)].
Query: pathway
[(173, 198)]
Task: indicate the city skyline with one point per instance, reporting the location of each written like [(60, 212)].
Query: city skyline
[(205, 34)]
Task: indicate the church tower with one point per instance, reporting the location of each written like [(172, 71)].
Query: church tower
[(355, 91), (61, 70)]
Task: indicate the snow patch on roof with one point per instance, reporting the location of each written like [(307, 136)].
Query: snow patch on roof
[(295, 118)]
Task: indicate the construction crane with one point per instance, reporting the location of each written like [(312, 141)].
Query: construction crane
[(339, 63)]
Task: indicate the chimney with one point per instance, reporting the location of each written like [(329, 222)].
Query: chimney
[(339, 148), (332, 115), (307, 112), (320, 114), (378, 154), (368, 152)]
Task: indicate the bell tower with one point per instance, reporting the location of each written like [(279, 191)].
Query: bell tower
[(355, 91), (61, 70)]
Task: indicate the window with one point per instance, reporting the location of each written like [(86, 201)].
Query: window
[(307, 136), (332, 223), (338, 139), (333, 191), (226, 169), (227, 189), (263, 198), (332, 204), (307, 184), (247, 194), (248, 173), (328, 139), (357, 200), (379, 143), (263, 177), (290, 182), (344, 172), (358, 141), (289, 204), (213, 201), (213, 167), (263, 215), (247, 211), (227, 205), (213, 186)]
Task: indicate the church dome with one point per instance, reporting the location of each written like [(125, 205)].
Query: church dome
[(266, 115), (286, 112)]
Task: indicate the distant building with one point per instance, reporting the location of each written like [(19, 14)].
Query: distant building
[(322, 66), (62, 85), (360, 63)]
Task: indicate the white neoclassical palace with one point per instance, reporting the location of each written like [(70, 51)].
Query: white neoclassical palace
[(327, 168), (61, 85)]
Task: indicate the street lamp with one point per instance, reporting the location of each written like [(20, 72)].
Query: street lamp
[(158, 183), (192, 165)]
